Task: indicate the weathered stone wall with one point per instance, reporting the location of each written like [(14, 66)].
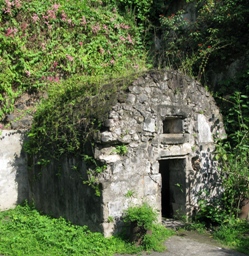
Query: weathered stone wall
[(162, 116), (13, 169)]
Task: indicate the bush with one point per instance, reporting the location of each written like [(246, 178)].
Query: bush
[(144, 216), (143, 231)]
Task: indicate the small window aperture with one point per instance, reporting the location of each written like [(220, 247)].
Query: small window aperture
[(172, 125)]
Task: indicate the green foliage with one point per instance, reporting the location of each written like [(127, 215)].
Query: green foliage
[(121, 150), (74, 108), (44, 42), (68, 121), (94, 169), (210, 213), (143, 216), (129, 193), (151, 235), (155, 240), (233, 155), (234, 234), (141, 8), (23, 231), (206, 44)]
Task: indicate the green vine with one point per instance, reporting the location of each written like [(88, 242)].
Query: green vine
[(68, 122)]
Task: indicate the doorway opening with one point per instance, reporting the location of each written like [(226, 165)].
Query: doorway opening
[(173, 193)]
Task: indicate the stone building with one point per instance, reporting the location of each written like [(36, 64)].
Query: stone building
[(167, 123)]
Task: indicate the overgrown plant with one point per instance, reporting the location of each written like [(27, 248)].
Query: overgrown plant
[(143, 229), (94, 169), (200, 45), (121, 150), (68, 122), (233, 155), (144, 215), (47, 42), (24, 230)]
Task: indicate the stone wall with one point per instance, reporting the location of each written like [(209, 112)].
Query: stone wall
[(13, 169), (168, 123)]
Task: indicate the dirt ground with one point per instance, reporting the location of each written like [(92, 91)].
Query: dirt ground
[(190, 243)]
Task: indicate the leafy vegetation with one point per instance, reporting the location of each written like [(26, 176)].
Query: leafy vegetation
[(144, 215), (143, 229), (77, 53), (44, 43), (206, 44), (24, 231), (233, 155), (209, 41), (234, 234), (221, 214)]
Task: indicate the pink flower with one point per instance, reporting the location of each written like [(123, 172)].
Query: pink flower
[(51, 14), (122, 38), (35, 17), (124, 26), (24, 26), (28, 73), (56, 7), (83, 20), (129, 39), (96, 29), (105, 28), (8, 3), (11, 31), (112, 61), (63, 16), (17, 4), (80, 43), (8, 6), (69, 57), (55, 79)]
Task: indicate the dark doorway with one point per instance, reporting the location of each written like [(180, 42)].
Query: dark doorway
[(173, 187)]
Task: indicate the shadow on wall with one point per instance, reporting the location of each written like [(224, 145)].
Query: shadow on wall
[(205, 182), (20, 165), (57, 189)]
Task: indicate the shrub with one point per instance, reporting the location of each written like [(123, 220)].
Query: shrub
[(143, 230), (144, 216)]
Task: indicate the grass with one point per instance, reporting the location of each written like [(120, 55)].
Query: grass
[(24, 231), (234, 234)]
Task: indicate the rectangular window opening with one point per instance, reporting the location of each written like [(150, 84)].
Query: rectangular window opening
[(172, 125)]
